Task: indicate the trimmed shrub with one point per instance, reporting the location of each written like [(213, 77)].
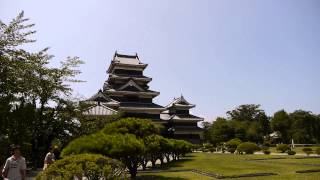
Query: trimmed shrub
[(207, 147), (232, 145), (283, 148), (212, 149), (232, 150), (248, 148), (91, 166), (290, 152), (318, 151), (263, 148), (307, 150), (204, 149), (267, 152), (266, 143)]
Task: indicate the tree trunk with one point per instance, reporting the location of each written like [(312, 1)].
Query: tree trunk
[(167, 158), (133, 170), (153, 163), (161, 161)]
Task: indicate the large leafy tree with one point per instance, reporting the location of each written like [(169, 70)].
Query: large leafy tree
[(281, 122), (305, 127), (32, 109), (251, 122), (133, 141), (221, 131), (139, 127)]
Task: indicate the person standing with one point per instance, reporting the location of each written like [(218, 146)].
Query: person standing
[(49, 159), (15, 166)]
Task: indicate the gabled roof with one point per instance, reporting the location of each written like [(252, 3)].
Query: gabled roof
[(122, 61), (131, 83), (180, 102), (186, 117), (101, 97), (180, 117), (126, 59), (99, 110)]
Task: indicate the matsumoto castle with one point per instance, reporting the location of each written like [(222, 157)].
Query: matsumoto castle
[(127, 90)]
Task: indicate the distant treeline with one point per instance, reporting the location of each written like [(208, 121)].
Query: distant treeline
[(250, 123)]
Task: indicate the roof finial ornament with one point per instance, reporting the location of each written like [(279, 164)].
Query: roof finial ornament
[(115, 54)]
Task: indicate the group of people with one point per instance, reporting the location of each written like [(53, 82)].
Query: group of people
[(15, 166)]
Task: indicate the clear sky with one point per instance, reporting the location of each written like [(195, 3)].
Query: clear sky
[(217, 53)]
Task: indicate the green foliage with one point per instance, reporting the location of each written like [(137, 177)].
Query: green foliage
[(281, 122), (251, 122), (91, 166), (93, 124), (290, 152), (307, 150), (305, 127), (220, 131), (124, 147), (318, 151), (132, 141), (247, 122), (140, 127), (248, 148), (232, 145), (283, 148), (267, 152), (208, 147), (301, 126), (32, 110)]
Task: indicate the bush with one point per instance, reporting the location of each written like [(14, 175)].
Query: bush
[(212, 149), (307, 150), (263, 148), (204, 149), (207, 147), (92, 166), (283, 148), (232, 150), (267, 152), (290, 152), (318, 151), (232, 145), (247, 147)]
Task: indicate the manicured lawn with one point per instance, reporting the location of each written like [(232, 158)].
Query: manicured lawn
[(232, 164)]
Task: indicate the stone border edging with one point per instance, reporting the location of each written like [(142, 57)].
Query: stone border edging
[(220, 176), (308, 171), (211, 174)]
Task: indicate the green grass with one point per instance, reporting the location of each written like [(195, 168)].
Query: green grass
[(232, 164)]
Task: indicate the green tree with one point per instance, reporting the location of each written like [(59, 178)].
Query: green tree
[(91, 166), (281, 122), (206, 130), (252, 121), (139, 127), (124, 147), (247, 147), (233, 144), (305, 127), (31, 92), (221, 131)]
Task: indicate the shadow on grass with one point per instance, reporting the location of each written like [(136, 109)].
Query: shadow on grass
[(178, 163), (157, 177)]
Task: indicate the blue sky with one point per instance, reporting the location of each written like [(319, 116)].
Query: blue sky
[(217, 53)]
